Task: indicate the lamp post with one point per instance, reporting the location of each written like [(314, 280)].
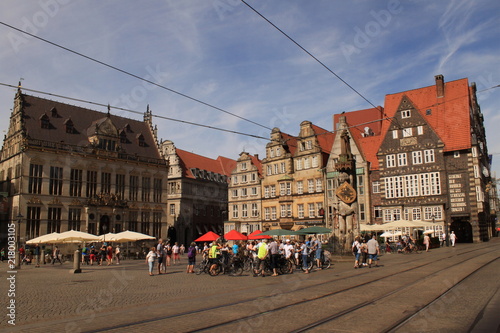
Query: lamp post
[(19, 217)]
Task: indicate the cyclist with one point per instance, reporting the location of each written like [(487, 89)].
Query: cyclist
[(261, 258), (213, 255)]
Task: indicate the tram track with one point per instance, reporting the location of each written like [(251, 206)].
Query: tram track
[(242, 302)]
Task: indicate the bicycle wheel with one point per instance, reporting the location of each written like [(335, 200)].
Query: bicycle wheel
[(326, 264), (247, 264), (236, 269), (200, 268), (286, 267), (215, 271)]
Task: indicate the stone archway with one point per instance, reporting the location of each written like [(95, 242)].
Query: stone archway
[(463, 230)]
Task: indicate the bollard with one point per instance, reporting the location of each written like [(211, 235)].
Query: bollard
[(76, 262)]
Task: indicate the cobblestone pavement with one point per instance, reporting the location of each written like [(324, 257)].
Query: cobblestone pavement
[(51, 298)]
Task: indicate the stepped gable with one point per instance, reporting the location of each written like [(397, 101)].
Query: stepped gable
[(48, 120)]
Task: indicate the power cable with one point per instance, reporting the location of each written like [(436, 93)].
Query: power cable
[(137, 112), (133, 75)]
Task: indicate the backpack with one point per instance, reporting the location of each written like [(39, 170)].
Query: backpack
[(354, 249), (191, 252)]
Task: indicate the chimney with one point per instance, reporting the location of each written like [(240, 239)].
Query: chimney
[(439, 85), (256, 156)]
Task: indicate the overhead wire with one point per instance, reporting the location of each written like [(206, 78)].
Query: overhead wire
[(133, 75), (136, 112)]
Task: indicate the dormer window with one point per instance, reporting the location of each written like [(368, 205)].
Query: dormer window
[(45, 121), (123, 137), (141, 141), (70, 127), (128, 128)]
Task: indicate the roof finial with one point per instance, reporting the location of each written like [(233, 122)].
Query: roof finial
[(109, 110)]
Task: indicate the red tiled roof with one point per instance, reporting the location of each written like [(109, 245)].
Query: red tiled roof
[(325, 138), (257, 163), (222, 165), (83, 119), (449, 116), (357, 121)]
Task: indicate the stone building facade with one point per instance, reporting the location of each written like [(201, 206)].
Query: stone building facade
[(68, 167)]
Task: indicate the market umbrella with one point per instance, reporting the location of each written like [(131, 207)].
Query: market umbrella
[(109, 237), (235, 235), (208, 237), (257, 234), (315, 230), (406, 224), (44, 239), (429, 232), (130, 236), (278, 232), (73, 236), (371, 227)]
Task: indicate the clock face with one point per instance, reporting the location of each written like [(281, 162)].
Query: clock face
[(346, 193)]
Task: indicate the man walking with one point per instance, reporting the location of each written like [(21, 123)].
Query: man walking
[(453, 238), (273, 251), (262, 251), (373, 251)]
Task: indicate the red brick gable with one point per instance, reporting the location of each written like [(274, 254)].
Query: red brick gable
[(448, 115)]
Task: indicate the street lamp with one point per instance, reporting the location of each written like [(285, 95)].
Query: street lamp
[(19, 217)]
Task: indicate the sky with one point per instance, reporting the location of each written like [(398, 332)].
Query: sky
[(224, 56)]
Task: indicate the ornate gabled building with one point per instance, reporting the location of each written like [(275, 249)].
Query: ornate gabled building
[(197, 193), (245, 196), (69, 167), (293, 184), (428, 160)]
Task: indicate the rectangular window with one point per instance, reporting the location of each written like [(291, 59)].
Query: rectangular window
[(243, 166), (283, 210), (402, 161), (283, 167), (476, 171), (243, 179), (267, 214), (361, 185), (362, 214), (288, 188), (53, 220), (395, 134), (91, 189), (244, 210), (235, 211), (315, 162), (56, 180), (255, 210), (157, 189), (312, 212), (74, 219), (309, 144), (412, 186), (235, 193), (282, 189), (416, 157), (244, 192), (145, 222), (273, 213), (405, 114), (299, 164), (319, 185), (75, 182), (300, 210), (106, 182), (133, 218), (390, 161), (172, 209), (133, 188), (235, 180), (266, 191), (310, 185), (254, 191), (300, 187), (417, 214), (32, 222), (276, 169), (307, 164), (377, 212), (289, 210), (146, 189), (376, 186), (273, 191), (269, 170), (479, 194), (420, 130), (429, 156), (407, 132), (120, 186), (35, 179), (156, 224)]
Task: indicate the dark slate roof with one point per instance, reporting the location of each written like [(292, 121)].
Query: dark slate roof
[(84, 121)]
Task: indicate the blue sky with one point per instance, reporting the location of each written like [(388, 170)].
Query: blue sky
[(221, 52)]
